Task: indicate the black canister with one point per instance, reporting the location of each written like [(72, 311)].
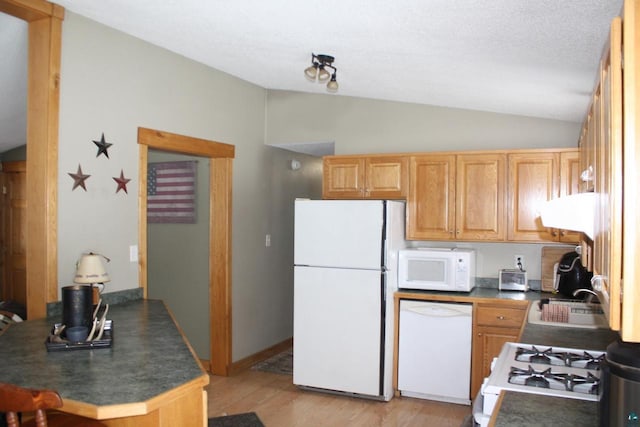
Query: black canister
[(620, 385), (77, 305)]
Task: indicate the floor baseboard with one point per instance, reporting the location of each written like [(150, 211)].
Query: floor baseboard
[(246, 363)]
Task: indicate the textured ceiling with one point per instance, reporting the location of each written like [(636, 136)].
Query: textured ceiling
[(533, 58)]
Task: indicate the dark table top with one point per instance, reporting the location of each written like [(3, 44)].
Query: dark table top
[(149, 356)]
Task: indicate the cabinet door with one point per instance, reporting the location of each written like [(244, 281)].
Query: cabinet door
[(569, 184), (386, 177), (493, 326), (13, 232), (488, 342), (480, 196), (343, 177), (607, 245), (533, 179), (431, 199)]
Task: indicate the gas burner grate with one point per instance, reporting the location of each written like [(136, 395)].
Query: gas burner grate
[(558, 358), (554, 380)]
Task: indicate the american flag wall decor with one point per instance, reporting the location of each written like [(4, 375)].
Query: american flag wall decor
[(171, 195)]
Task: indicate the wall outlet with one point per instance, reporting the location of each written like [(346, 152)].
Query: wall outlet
[(518, 262), (267, 240)]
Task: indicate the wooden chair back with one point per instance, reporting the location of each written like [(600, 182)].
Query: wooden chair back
[(14, 399)]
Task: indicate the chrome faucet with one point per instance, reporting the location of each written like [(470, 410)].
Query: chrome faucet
[(590, 297)]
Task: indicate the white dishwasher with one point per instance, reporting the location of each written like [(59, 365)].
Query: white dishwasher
[(434, 351)]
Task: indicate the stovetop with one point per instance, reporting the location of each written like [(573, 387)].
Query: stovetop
[(552, 371)]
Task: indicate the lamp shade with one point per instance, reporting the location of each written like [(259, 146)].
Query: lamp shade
[(90, 269), (323, 75), (311, 72), (332, 86)]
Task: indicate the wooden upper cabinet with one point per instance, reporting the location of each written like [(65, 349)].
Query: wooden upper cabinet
[(480, 196), (456, 197), (570, 183), (535, 178), (386, 177), (365, 177), (431, 198), (607, 259), (343, 178)]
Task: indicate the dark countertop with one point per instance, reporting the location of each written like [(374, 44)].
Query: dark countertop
[(148, 357), (477, 293)]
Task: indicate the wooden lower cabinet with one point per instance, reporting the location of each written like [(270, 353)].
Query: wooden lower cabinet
[(494, 324)]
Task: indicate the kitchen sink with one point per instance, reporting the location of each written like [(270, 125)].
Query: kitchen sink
[(567, 314)]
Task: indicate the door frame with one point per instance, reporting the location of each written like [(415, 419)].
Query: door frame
[(45, 39), (220, 181)]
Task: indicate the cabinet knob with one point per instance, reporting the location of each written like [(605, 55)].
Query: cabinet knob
[(587, 174), (458, 231), (596, 283), (500, 317), (563, 233), (554, 233)]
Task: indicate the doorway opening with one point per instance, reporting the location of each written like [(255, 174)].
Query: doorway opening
[(220, 157), (45, 34)]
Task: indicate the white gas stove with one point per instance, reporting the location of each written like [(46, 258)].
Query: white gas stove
[(539, 369)]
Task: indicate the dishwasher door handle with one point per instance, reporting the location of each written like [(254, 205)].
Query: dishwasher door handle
[(439, 310)]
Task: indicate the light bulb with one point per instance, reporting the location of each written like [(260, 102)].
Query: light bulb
[(323, 75)]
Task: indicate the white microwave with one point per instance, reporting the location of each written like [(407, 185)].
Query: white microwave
[(437, 269)]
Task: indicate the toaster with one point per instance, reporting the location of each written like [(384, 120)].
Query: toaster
[(513, 280)]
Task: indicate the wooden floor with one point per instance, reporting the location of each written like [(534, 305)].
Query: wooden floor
[(279, 403)]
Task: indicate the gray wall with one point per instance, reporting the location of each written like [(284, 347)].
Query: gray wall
[(370, 126), (114, 83), (178, 261)]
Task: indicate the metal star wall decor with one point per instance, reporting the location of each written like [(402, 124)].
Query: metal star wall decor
[(79, 179), (102, 146), (122, 182)]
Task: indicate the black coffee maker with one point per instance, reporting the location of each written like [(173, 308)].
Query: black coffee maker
[(571, 276)]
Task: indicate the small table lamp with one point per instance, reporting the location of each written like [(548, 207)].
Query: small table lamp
[(90, 270), (77, 300)]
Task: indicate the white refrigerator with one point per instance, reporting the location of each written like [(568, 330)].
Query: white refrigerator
[(345, 273)]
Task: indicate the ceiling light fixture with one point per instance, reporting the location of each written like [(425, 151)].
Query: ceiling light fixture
[(318, 71)]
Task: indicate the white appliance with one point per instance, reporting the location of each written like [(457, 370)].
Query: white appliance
[(434, 351), (539, 369), (345, 273), (437, 269)]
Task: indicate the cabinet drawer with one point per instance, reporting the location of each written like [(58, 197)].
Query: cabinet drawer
[(505, 317)]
